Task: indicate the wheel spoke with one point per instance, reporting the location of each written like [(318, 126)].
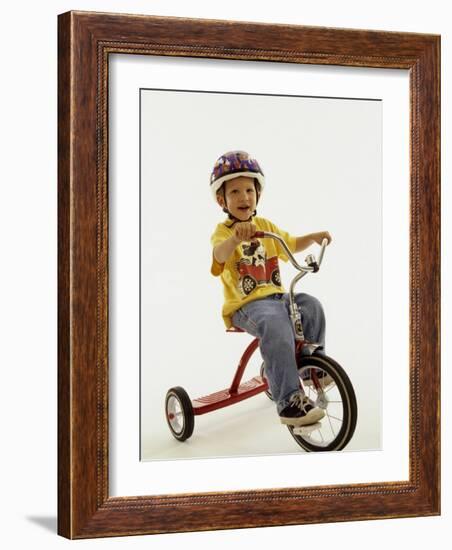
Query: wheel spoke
[(331, 426), (335, 417)]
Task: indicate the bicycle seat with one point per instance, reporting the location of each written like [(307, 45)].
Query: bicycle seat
[(234, 329)]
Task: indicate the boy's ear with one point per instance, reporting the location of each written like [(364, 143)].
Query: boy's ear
[(220, 200)]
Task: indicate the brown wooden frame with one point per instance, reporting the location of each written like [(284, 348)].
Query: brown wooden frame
[(85, 41)]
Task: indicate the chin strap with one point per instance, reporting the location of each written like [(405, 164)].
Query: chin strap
[(234, 219)]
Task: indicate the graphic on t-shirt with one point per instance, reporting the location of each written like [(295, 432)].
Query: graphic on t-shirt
[(255, 269)]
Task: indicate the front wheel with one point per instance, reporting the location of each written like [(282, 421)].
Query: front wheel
[(179, 413), (327, 385)]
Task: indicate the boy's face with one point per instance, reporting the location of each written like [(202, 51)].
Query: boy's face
[(240, 194)]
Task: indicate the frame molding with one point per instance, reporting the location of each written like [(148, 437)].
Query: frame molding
[(85, 41)]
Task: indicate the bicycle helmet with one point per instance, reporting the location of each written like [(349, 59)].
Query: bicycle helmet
[(232, 165)]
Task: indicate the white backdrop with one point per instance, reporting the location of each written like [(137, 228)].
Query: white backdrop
[(323, 163), (28, 289)]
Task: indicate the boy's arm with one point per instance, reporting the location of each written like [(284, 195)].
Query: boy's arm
[(222, 251), (306, 240), (242, 232)]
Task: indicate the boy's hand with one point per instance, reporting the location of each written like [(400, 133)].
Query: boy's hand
[(318, 237), (243, 231)]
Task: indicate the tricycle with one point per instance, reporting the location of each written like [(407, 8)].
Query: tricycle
[(322, 379)]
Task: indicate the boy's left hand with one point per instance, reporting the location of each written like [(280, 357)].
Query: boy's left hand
[(318, 237)]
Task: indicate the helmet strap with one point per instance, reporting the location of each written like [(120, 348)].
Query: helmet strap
[(235, 220)]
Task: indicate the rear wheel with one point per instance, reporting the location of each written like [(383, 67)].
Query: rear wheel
[(179, 413), (327, 385)]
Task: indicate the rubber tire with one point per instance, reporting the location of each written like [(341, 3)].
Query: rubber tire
[(187, 411), (348, 398)]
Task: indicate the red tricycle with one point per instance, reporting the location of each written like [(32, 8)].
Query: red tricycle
[(322, 379)]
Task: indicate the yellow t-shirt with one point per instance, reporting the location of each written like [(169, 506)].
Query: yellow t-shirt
[(252, 270)]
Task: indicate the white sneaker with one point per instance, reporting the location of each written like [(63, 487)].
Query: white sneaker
[(300, 412)]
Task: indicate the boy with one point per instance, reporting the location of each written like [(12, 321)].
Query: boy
[(255, 300)]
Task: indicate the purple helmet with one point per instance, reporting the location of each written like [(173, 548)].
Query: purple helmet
[(232, 165)]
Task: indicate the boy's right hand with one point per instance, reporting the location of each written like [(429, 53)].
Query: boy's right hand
[(243, 231)]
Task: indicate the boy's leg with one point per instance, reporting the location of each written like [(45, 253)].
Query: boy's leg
[(267, 320), (312, 318)]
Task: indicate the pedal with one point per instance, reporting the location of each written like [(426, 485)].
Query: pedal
[(306, 430)]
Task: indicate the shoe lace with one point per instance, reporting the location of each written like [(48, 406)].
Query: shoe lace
[(300, 400)]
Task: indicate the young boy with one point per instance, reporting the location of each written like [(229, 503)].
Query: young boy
[(255, 300)]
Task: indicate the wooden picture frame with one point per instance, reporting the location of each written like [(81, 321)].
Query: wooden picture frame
[(85, 42)]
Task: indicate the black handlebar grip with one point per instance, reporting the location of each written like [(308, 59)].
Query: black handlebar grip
[(315, 266)]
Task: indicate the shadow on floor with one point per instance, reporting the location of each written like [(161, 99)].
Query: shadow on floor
[(48, 523)]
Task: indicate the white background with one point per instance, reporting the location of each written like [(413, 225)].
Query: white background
[(28, 289), (322, 159)]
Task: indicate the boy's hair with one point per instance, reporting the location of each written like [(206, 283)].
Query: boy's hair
[(222, 190)]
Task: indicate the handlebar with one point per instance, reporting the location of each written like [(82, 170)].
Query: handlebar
[(313, 264)]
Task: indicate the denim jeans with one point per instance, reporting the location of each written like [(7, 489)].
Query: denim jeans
[(268, 319)]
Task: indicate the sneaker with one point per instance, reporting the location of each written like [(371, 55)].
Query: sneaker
[(323, 377), (300, 411)]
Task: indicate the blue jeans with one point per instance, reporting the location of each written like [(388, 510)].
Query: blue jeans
[(268, 319)]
